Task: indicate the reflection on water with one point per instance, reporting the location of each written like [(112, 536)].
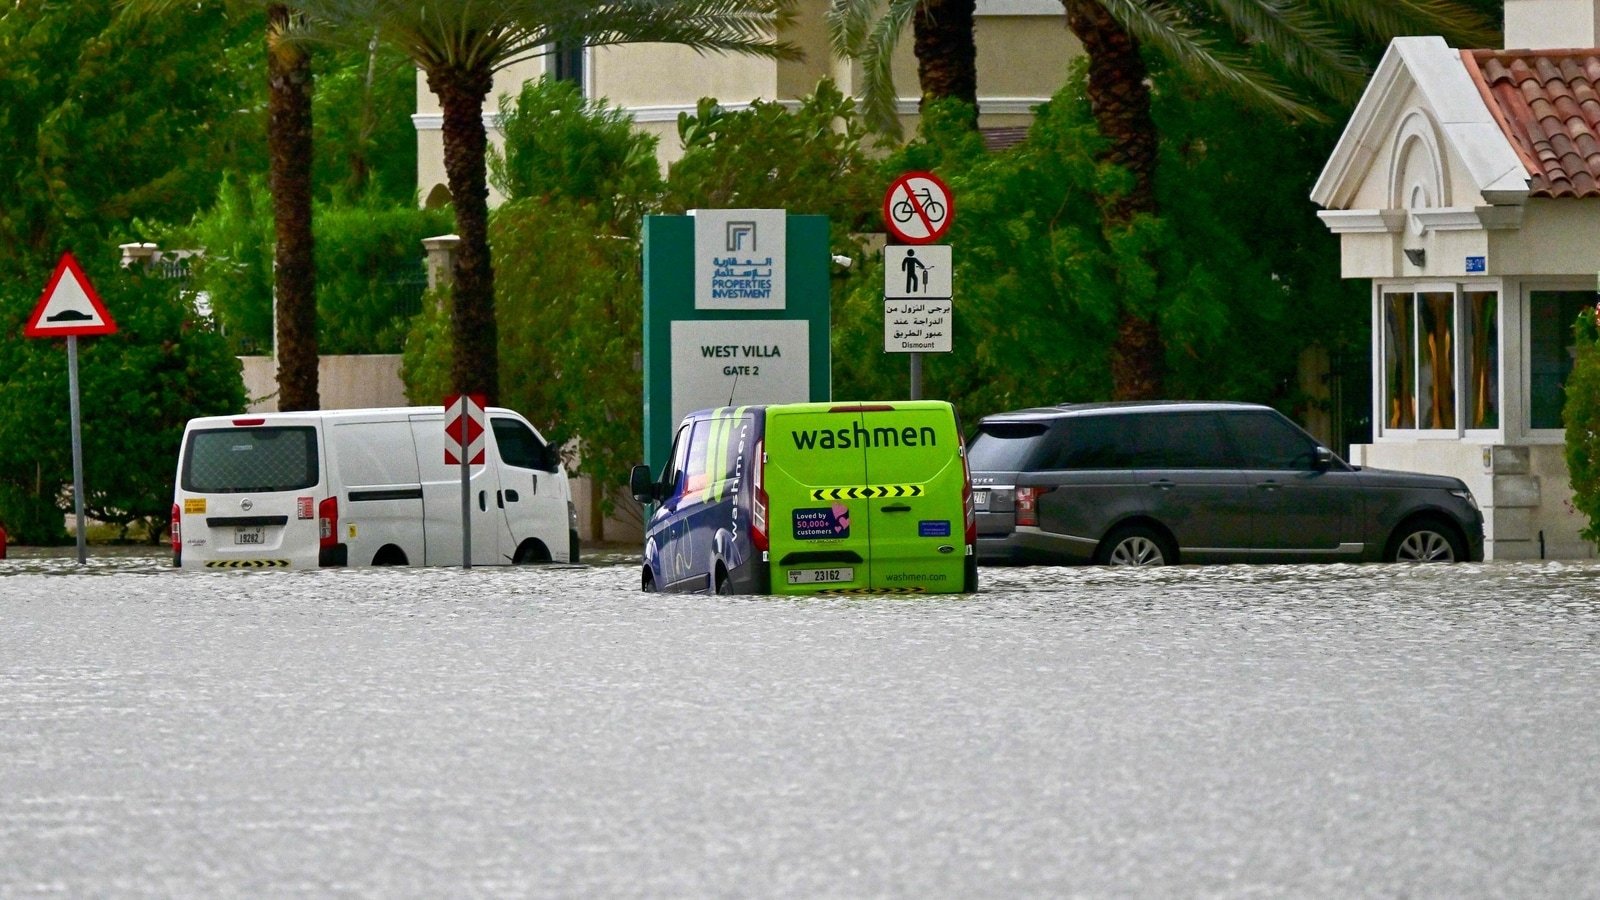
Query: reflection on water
[(1283, 731)]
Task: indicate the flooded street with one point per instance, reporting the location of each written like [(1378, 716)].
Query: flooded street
[(1265, 731)]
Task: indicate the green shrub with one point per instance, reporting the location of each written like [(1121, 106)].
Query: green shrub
[(1581, 414)]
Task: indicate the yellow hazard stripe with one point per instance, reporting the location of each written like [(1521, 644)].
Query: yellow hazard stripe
[(867, 491), (247, 564)]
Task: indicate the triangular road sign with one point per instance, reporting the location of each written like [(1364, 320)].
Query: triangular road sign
[(69, 306)]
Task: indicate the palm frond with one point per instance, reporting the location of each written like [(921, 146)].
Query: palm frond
[(1303, 40), (848, 21), (1158, 26), (1456, 22)]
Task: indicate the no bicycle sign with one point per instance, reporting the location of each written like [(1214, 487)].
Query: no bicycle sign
[(918, 208)]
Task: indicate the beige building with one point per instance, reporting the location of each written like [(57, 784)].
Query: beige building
[(1023, 50), (1466, 188)]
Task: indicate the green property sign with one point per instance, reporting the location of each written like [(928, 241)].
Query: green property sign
[(735, 313)]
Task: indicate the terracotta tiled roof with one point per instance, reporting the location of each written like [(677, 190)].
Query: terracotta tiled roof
[(1548, 103)]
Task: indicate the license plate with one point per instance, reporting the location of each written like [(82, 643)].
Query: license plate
[(250, 534), (821, 576), (980, 501)]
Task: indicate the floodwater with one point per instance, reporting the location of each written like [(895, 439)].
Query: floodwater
[(1318, 731)]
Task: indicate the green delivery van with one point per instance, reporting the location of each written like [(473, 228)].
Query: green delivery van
[(805, 498)]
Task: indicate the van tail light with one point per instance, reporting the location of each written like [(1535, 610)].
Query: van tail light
[(1027, 504), (758, 503), (328, 522), (177, 529), (968, 509)]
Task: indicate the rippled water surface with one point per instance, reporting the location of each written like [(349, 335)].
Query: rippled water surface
[(1268, 731)]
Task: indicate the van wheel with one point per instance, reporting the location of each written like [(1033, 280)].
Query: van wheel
[(572, 546), (648, 584), (531, 553), (969, 581), (723, 586), (1136, 545), (1425, 540)]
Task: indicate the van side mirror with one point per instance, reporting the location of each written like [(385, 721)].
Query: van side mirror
[(642, 484), (550, 458)]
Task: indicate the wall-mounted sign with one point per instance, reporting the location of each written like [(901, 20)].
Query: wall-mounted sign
[(1477, 264)]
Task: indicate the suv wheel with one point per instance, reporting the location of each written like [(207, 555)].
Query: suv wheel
[(1136, 545), (1426, 541)]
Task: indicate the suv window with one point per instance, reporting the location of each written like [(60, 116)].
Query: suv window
[(1268, 441), (1007, 446), (1094, 442), (1189, 440)]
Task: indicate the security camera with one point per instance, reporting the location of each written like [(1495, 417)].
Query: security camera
[(843, 261)]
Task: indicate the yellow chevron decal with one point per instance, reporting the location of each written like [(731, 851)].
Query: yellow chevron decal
[(867, 492), (247, 564)]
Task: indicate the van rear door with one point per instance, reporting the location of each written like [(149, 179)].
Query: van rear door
[(248, 492), (814, 477), (916, 478)]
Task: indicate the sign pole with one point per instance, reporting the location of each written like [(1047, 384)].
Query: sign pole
[(77, 444), (466, 487), (916, 376)]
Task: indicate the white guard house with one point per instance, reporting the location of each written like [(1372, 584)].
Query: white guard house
[(1467, 188)]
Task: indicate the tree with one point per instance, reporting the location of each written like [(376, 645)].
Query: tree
[(289, 148), (942, 38), (460, 44), (1307, 40)]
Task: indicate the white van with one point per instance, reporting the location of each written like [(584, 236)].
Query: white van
[(364, 487)]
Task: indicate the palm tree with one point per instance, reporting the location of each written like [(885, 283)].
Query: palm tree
[(942, 39), (1307, 39), (460, 44), (289, 154)]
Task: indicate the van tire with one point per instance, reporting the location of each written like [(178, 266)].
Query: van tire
[(969, 580), (1136, 545), (722, 584), (1425, 540), (648, 582), (572, 545)]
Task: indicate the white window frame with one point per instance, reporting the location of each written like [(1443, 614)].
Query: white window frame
[(1459, 359), (1525, 289)]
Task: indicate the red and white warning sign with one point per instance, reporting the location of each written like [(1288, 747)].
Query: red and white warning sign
[(918, 208), (463, 411), (69, 306)]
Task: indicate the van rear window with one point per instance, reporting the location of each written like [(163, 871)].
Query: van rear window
[(258, 460)]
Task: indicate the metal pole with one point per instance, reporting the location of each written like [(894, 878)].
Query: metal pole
[(77, 444), (466, 488), (916, 376)]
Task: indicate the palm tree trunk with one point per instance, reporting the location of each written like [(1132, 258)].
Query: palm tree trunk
[(294, 270), (1119, 99), (946, 50), (475, 364)]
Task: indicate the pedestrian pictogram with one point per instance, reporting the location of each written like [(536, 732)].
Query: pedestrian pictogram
[(918, 208), (69, 305), (463, 411), (916, 271)]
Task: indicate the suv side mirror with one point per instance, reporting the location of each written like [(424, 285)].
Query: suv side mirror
[(1323, 459), (643, 484)]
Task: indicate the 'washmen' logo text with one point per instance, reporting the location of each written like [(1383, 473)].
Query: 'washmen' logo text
[(859, 436)]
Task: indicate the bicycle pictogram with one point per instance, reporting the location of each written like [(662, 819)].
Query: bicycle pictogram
[(933, 209)]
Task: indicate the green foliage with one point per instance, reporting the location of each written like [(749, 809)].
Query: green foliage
[(1582, 417), (558, 144), (137, 389), (108, 118), (364, 141), (369, 268), (809, 160)]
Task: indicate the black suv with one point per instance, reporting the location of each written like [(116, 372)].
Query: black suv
[(1161, 483)]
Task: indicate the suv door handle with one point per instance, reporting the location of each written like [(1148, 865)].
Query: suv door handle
[(1163, 485), (898, 507), (1268, 485)]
